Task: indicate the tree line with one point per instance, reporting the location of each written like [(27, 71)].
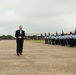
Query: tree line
[(6, 37)]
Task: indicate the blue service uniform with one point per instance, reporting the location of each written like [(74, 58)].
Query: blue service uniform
[(53, 39), (49, 39), (46, 39)]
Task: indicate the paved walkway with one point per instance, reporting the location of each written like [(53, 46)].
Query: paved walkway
[(37, 59)]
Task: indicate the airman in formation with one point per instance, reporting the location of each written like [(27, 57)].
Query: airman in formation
[(63, 39)]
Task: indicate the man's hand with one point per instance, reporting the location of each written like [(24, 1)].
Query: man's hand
[(19, 37)]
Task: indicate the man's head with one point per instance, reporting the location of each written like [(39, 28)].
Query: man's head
[(20, 27)]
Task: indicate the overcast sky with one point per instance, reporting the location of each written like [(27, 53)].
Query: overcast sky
[(37, 15)]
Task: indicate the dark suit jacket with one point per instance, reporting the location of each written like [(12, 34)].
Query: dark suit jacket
[(17, 34)]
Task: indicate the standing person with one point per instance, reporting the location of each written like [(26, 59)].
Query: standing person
[(20, 35), (45, 39), (74, 40), (53, 39), (49, 38), (71, 39)]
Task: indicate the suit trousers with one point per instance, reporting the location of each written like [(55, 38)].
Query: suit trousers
[(19, 46)]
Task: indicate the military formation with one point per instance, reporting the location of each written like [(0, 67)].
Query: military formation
[(62, 39)]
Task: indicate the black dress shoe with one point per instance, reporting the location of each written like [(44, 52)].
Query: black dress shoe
[(20, 53), (17, 54)]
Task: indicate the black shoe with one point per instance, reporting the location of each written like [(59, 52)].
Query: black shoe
[(20, 53), (17, 54)]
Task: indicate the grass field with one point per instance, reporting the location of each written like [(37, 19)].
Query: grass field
[(38, 41)]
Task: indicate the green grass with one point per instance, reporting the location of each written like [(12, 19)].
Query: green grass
[(37, 41)]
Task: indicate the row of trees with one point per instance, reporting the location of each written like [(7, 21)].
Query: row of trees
[(10, 37), (6, 37)]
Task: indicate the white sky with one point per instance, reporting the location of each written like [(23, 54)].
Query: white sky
[(37, 15)]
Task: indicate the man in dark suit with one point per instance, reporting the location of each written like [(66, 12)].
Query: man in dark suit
[(20, 35)]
